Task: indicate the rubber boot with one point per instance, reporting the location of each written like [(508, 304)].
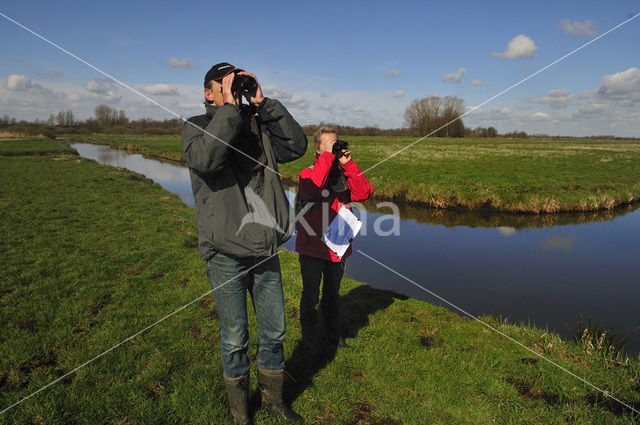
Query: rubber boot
[(271, 384), (238, 392)]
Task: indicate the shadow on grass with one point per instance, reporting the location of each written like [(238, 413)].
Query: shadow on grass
[(355, 308)]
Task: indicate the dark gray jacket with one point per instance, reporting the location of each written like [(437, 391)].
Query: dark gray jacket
[(240, 212)]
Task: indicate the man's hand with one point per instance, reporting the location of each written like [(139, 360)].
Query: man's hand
[(346, 156), (227, 94), (254, 98)]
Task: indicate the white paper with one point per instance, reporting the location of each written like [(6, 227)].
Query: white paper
[(342, 230)]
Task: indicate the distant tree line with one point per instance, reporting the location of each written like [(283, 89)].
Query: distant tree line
[(105, 120), (422, 117), (347, 130), (487, 132)]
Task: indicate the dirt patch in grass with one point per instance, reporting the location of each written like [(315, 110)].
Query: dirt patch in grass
[(361, 415), (526, 390), (427, 342), (601, 401), (292, 312), (17, 378), (30, 324), (85, 326), (156, 390), (327, 416), (104, 301), (209, 305), (133, 269), (183, 282)]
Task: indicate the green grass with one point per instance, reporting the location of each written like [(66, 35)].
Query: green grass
[(523, 175), (31, 146), (92, 254)]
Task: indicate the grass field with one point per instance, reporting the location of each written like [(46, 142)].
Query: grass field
[(522, 175), (31, 146), (91, 255)]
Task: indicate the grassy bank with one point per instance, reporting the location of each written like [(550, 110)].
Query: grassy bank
[(32, 146), (523, 175), (93, 254)]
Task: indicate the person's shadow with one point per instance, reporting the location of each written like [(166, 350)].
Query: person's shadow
[(355, 308)]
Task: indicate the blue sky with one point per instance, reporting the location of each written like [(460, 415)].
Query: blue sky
[(355, 63)]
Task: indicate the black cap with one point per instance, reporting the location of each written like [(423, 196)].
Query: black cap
[(219, 71)]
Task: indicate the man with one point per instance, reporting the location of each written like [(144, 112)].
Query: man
[(242, 215), (332, 181)]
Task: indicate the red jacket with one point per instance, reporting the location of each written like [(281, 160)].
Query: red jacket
[(311, 185)]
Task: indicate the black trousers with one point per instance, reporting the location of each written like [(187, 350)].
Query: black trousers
[(313, 271)]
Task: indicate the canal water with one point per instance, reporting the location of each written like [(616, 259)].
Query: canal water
[(549, 270)]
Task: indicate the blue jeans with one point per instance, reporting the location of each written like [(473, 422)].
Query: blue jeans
[(230, 282)]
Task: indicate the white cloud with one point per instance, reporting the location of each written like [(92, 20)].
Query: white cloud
[(394, 73), (585, 94), (159, 89), (598, 115), (476, 83), (99, 85), (398, 93), (557, 98), (287, 98), (578, 29), (454, 77), (623, 86), (179, 63), (520, 46), (18, 82), (103, 89)]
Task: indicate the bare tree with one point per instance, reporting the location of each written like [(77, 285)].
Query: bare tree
[(421, 115), (60, 119), (122, 118), (452, 109), (106, 115), (430, 113), (63, 118), (69, 119)]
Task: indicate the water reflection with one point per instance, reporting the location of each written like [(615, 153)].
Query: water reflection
[(172, 177), (549, 269)]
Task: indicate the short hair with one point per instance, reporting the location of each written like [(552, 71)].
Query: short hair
[(319, 132)]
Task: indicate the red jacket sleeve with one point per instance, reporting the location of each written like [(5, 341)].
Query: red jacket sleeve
[(360, 188), (312, 180)]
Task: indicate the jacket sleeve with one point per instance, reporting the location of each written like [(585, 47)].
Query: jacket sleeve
[(287, 138), (312, 180), (360, 188), (207, 151)]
